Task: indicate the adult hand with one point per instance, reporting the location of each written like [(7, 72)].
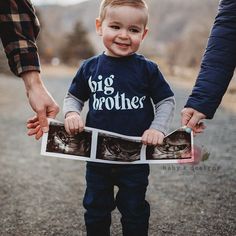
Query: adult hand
[(40, 99), (191, 118)]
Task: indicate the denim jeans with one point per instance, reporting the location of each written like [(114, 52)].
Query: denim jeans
[(99, 200)]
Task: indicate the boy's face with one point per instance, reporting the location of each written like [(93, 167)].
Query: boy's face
[(122, 30)]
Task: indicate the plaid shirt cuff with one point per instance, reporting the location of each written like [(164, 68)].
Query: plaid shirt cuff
[(19, 28), (24, 62)]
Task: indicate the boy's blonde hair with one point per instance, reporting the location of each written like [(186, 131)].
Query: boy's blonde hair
[(141, 4)]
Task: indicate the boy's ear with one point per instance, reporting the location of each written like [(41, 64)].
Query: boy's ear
[(144, 33), (98, 26)]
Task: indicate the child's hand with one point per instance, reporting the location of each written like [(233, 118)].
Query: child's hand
[(152, 137), (34, 128), (73, 123)]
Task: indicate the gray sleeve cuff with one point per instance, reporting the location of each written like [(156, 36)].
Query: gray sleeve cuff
[(72, 104), (164, 113)]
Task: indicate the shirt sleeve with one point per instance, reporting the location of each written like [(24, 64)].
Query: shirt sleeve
[(159, 88), (79, 87), (19, 28), (72, 103), (164, 113), (218, 63)]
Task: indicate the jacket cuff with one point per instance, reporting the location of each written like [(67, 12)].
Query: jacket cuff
[(206, 109), (20, 63)]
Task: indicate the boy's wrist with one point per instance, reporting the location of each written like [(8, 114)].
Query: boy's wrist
[(71, 113)]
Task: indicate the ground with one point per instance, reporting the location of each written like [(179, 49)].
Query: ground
[(42, 196)]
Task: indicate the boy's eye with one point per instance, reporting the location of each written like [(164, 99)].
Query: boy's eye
[(116, 27), (134, 30)]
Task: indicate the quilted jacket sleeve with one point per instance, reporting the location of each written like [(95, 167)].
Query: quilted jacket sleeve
[(218, 63)]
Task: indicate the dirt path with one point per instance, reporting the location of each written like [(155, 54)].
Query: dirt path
[(42, 196)]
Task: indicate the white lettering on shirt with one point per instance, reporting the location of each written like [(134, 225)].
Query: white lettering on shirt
[(119, 101)]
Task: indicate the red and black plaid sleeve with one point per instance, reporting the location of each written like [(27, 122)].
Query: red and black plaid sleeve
[(19, 28)]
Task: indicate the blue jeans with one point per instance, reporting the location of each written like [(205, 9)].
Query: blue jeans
[(99, 201)]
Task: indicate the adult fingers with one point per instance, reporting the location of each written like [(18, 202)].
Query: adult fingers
[(199, 128), (42, 117), (195, 119), (186, 115), (33, 131), (32, 119), (53, 110), (32, 125), (39, 134)]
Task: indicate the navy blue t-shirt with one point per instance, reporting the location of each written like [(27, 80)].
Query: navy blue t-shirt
[(120, 92)]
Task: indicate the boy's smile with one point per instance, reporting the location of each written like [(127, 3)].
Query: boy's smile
[(122, 30), (123, 46)]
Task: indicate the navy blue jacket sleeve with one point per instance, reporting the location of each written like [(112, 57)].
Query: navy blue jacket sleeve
[(218, 62)]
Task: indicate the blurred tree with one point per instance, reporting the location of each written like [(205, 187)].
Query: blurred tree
[(46, 53), (187, 50), (77, 46)]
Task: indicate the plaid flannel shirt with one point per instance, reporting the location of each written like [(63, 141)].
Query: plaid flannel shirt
[(19, 28)]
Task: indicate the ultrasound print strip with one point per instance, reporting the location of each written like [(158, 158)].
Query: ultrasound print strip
[(107, 147)]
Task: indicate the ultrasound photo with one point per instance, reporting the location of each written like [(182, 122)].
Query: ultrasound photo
[(117, 149), (175, 146), (61, 142), (102, 146)]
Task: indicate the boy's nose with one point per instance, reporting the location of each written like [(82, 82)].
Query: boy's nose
[(123, 34)]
